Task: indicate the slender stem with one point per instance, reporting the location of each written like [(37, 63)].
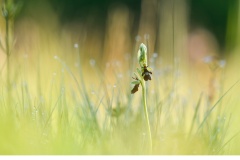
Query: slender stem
[(8, 59), (146, 114), (7, 37)]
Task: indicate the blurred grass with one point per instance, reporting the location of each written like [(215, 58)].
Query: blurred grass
[(67, 100)]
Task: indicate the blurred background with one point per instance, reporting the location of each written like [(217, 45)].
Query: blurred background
[(63, 51), (109, 29), (181, 36), (178, 33)]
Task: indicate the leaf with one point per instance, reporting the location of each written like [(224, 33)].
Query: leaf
[(136, 82), (149, 68), (136, 75), (139, 72)]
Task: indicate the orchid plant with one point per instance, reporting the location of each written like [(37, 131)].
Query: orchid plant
[(144, 74)]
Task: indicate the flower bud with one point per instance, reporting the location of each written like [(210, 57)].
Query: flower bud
[(142, 55)]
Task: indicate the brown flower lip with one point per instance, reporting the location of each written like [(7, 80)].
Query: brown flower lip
[(135, 89), (146, 74)]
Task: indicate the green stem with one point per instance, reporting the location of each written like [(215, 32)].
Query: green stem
[(146, 114), (8, 60)]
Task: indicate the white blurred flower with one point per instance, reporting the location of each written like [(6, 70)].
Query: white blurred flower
[(118, 63), (138, 38), (62, 90), (55, 57), (92, 62), (75, 45), (146, 36), (155, 55), (208, 59), (119, 75), (151, 60), (222, 63), (25, 55), (76, 64)]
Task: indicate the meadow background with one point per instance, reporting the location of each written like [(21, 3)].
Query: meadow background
[(66, 86)]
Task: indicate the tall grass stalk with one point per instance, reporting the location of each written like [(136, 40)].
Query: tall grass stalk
[(6, 14), (9, 11), (196, 113), (7, 51)]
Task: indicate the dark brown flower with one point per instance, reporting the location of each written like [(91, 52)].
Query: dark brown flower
[(135, 89), (146, 74)]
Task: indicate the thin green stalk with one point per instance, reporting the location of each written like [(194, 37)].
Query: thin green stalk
[(8, 61), (146, 113), (7, 37), (195, 115)]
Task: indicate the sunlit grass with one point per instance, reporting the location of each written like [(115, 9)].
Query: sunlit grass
[(65, 118)]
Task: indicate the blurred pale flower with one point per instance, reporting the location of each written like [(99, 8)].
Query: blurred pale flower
[(138, 38), (222, 63), (155, 55), (75, 45), (119, 75), (146, 36), (208, 59), (108, 64), (76, 64), (25, 55), (92, 62)]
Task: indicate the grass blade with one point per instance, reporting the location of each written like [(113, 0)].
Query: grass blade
[(195, 114), (214, 106), (235, 135)]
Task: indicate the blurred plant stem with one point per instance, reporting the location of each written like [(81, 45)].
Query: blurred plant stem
[(8, 9), (146, 113), (8, 55)]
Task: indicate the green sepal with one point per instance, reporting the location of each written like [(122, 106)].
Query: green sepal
[(136, 75), (149, 68), (139, 72), (136, 82)]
